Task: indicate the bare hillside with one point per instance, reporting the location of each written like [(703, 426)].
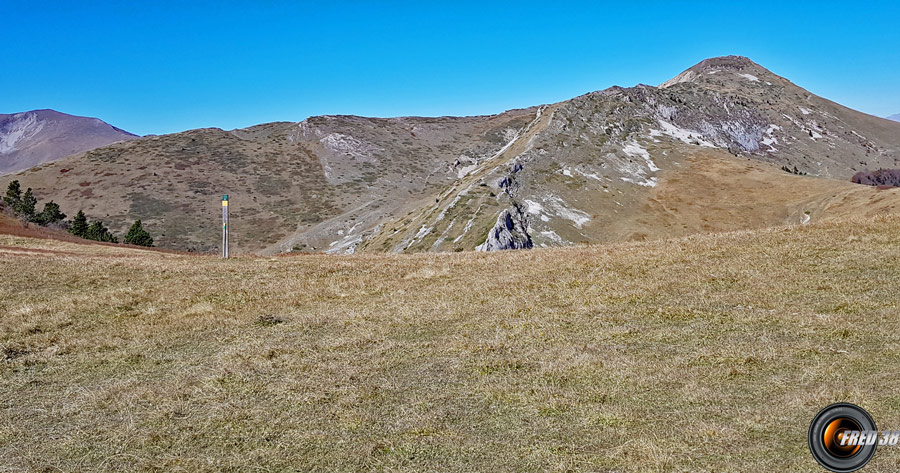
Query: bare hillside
[(325, 177)]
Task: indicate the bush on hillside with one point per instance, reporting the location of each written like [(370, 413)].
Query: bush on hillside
[(881, 177)]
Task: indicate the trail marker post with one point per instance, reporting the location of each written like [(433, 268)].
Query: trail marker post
[(224, 225)]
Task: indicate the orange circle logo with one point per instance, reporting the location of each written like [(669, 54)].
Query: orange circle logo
[(843, 437)]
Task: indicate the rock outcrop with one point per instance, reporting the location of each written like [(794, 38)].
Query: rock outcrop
[(509, 233)]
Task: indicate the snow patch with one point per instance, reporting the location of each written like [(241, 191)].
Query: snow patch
[(769, 139), (422, 232), (589, 175), (443, 237), (647, 182), (635, 150), (346, 245), (750, 77), (686, 136), (561, 209), (533, 207), (552, 236)]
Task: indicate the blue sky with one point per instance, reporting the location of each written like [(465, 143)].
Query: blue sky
[(161, 67)]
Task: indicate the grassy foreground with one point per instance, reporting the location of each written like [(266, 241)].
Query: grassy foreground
[(709, 353)]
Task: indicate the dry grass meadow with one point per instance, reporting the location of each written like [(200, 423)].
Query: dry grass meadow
[(707, 353)]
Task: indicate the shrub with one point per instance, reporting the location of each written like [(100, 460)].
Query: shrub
[(881, 177)]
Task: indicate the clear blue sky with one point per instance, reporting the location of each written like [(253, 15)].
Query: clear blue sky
[(160, 67)]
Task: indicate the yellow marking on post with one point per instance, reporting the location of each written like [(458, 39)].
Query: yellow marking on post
[(224, 203)]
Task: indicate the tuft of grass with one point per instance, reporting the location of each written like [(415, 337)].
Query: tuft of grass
[(269, 320)]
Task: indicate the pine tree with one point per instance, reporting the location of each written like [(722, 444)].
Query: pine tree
[(13, 195), (79, 226), (96, 231), (26, 207), (50, 215), (138, 236)]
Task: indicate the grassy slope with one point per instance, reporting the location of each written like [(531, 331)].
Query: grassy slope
[(710, 192), (710, 353)]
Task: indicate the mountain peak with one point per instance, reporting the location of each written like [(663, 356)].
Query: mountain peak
[(39, 136), (738, 65), (726, 62), (895, 117)]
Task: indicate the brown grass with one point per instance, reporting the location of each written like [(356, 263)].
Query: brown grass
[(709, 353), (714, 192)]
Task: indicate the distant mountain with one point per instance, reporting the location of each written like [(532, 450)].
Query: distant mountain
[(40, 136), (895, 117), (705, 151)]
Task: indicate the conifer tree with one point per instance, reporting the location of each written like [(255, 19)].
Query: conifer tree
[(138, 236), (79, 226), (97, 231), (50, 215), (13, 195), (26, 207)]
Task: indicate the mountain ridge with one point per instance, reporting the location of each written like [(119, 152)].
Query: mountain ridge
[(554, 174)]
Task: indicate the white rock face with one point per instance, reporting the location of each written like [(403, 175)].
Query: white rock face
[(345, 144), (686, 76), (21, 127), (465, 170)]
